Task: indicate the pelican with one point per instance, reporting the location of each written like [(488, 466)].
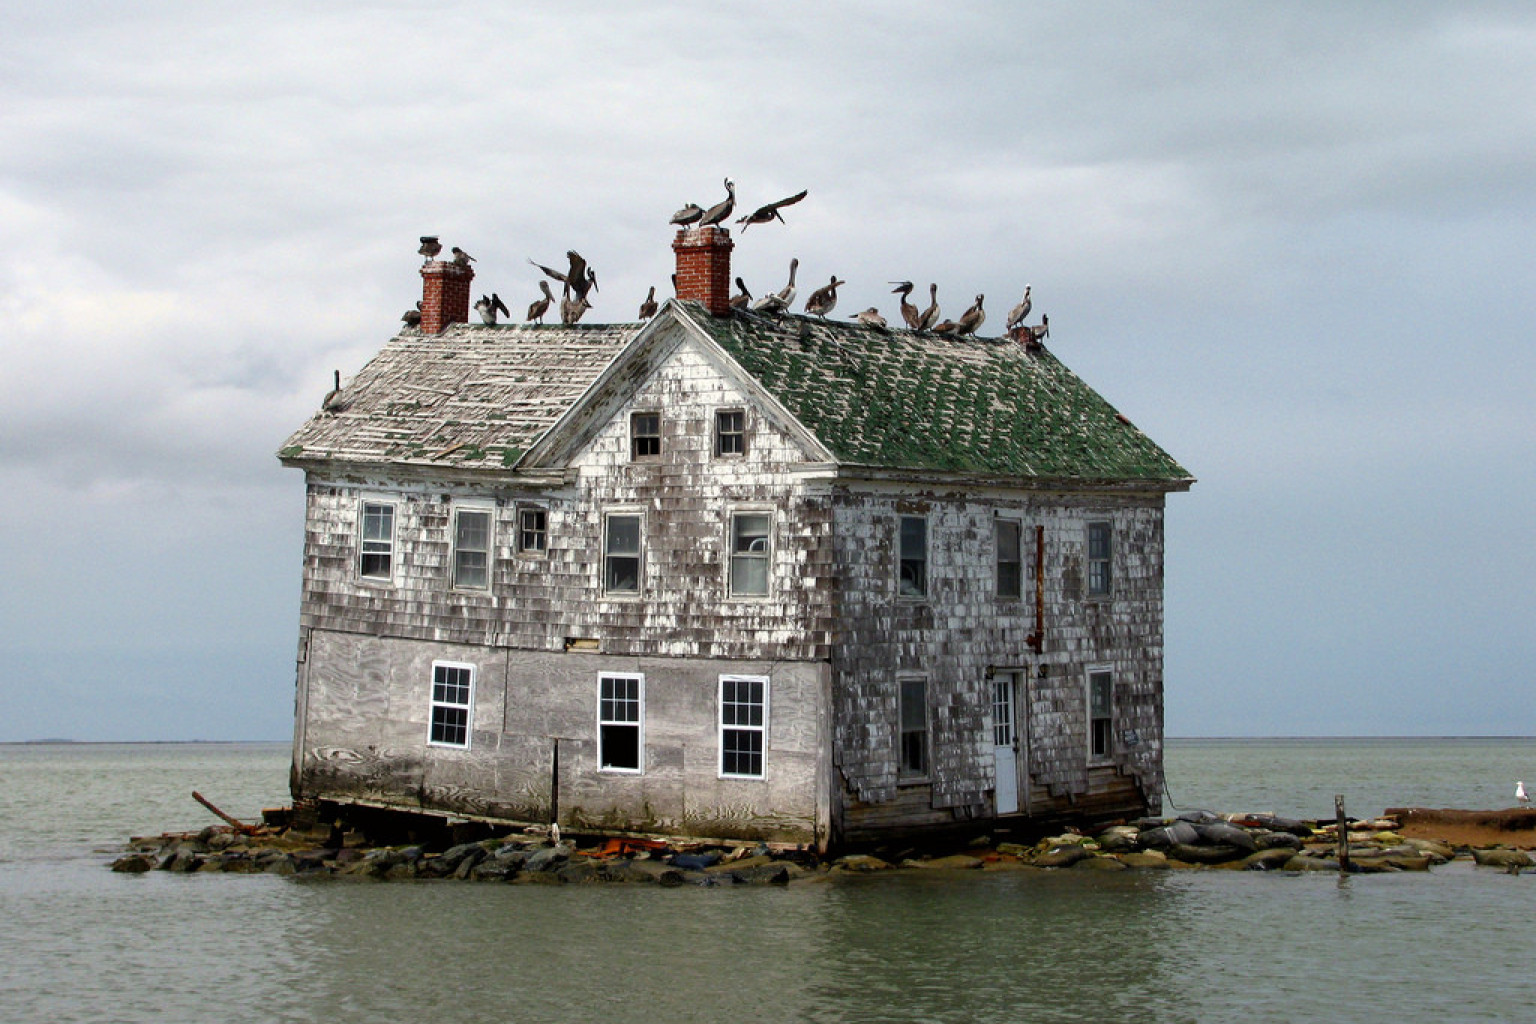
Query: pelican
[(721, 210), (579, 277), (909, 312), (1032, 335), (1525, 801), (742, 297), (412, 317), (571, 310), (947, 327), (538, 307), (779, 301), (870, 318), (430, 247), (764, 214), (688, 215), (971, 318), (1017, 314), (823, 299), (333, 402), (489, 307), (648, 307), (932, 312), (461, 257)]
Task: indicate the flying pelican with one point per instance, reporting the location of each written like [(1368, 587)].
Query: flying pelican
[(764, 214), (333, 402), (779, 301), (430, 247), (461, 257), (688, 215), (538, 307), (971, 318), (930, 314), (579, 277), (489, 307), (909, 312), (870, 318), (1017, 314), (742, 297), (1525, 801), (823, 299), (721, 210), (648, 307)]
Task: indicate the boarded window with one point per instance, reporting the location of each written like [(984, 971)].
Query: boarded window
[(645, 435), (913, 580), (743, 725), (1101, 715), (532, 530), (453, 692), (730, 432), (621, 554), (376, 552), (1010, 566), (471, 548), (914, 727), (620, 716), (1100, 560), (749, 553)]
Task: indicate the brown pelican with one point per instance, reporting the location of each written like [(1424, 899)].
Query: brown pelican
[(932, 312), (721, 210), (538, 307), (489, 307), (909, 312), (412, 317), (823, 299), (580, 278), (780, 300), (648, 307), (870, 318), (742, 296), (971, 318), (461, 257), (764, 214), (688, 215), (947, 327), (1043, 331), (1017, 314), (571, 310), (430, 247), (333, 402)]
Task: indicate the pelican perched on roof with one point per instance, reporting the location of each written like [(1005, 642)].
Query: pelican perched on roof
[(971, 318), (742, 298), (764, 214), (489, 306), (461, 257), (721, 210), (823, 299), (412, 317), (909, 312), (648, 307), (538, 307), (333, 402), (579, 277), (870, 318), (571, 310), (688, 215), (430, 247), (931, 314), (1017, 314), (779, 301)]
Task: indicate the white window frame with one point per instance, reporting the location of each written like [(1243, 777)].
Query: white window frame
[(391, 547), (639, 554), (1108, 561), (468, 707), (1108, 755), (927, 587), (522, 549), (997, 561), (903, 773), (638, 724), (760, 729), (490, 545), (765, 555)]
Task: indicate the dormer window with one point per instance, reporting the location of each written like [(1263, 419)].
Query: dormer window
[(645, 435), (730, 432)]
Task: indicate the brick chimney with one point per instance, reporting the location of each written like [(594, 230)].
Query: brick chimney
[(704, 267), (444, 294)]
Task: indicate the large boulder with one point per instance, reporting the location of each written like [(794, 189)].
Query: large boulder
[(1063, 856), (1177, 833), (1219, 833), (1502, 858)]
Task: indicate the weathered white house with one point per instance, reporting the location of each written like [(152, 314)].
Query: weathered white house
[(725, 574)]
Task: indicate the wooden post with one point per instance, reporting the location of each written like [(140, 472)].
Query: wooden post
[(1342, 823), (554, 785)]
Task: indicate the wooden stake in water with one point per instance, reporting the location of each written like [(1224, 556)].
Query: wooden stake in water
[(1342, 823)]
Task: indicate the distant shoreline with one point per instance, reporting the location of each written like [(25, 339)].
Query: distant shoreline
[(1170, 739)]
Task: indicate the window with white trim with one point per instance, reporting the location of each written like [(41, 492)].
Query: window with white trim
[(1100, 560), (532, 530), (912, 712), (620, 722), (453, 698), (913, 578), (749, 553), (1101, 715), (743, 726), (622, 552), (1010, 560), (376, 541), (472, 548)]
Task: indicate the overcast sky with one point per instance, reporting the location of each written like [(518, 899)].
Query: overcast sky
[(1293, 242)]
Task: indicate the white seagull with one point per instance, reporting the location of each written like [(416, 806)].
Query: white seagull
[(1525, 801)]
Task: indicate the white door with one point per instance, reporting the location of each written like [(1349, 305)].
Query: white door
[(1005, 741)]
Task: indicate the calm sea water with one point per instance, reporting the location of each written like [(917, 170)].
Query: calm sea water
[(78, 943)]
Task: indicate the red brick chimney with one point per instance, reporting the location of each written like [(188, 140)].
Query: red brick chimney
[(704, 267), (444, 294)]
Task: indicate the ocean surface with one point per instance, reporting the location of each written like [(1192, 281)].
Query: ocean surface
[(79, 943)]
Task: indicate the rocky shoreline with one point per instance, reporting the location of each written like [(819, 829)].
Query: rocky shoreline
[(1405, 840)]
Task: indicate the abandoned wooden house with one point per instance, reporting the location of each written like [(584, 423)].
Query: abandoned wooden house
[(725, 574)]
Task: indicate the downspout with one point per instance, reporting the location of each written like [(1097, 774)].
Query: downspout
[(1036, 641)]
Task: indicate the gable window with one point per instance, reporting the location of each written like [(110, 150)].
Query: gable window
[(749, 553), (1100, 561), (532, 530), (913, 579), (730, 432), (913, 713), (645, 435), (471, 548), (743, 724), (620, 715), (453, 694), (376, 550), (621, 553), (1010, 564), (1101, 711)]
